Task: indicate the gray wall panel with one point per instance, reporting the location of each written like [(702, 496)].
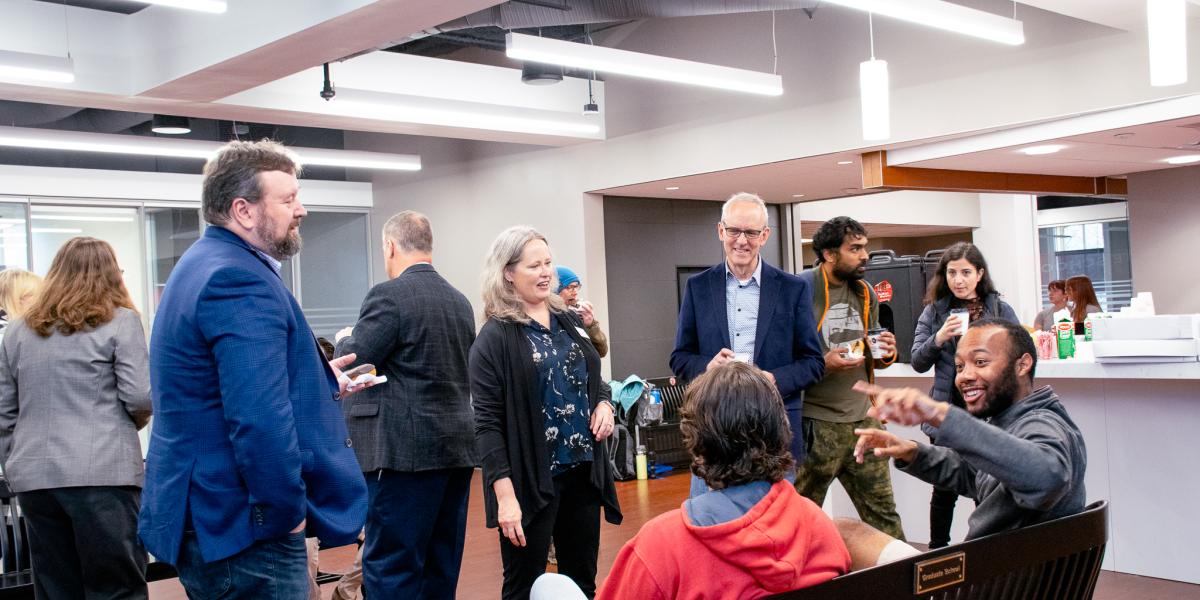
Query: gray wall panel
[(646, 240)]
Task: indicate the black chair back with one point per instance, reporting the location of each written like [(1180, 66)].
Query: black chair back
[(1057, 560)]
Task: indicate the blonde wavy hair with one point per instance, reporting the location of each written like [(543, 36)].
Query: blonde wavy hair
[(16, 284), (500, 299)]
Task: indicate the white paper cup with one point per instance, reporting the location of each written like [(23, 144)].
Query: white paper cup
[(964, 316), (873, 341)]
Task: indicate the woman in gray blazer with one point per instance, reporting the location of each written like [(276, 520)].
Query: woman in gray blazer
[(74, 390)]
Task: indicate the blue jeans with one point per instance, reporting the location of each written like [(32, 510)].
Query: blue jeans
[(268, 570)]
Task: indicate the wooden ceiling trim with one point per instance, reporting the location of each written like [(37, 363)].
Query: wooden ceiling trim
[(878, 175)]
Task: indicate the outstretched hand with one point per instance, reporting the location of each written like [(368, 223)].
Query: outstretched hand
[(904, 406), (883, 443)]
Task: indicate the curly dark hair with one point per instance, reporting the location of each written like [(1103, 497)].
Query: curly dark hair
[(736, 427), (832, 234)]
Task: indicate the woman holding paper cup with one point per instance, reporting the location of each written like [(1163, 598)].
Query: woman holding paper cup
[(960, 293), (542, 418)]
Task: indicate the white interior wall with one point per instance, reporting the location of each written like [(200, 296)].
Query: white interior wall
[(951, 209), (1007, 236)]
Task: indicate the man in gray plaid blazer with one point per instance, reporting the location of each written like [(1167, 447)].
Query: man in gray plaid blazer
[(415, 435)]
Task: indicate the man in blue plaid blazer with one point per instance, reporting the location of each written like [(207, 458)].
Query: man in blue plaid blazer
[(249, 450)]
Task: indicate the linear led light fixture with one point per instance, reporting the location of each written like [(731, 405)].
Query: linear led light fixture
[(1166, 28), (637, 64), (1186, 159), (947, 16), (208, 6), (36, 67), (405, 108), (88, 218), (24, 137)]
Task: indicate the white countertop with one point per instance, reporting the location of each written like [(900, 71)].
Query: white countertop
[(1074, 369)]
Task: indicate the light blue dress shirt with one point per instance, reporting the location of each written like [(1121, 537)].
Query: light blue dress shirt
[(741, 308)]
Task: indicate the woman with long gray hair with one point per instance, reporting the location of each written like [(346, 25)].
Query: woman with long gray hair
[(542, 415)]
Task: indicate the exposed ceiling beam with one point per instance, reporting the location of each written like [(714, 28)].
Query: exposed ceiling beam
[(312, 33), (878, 175)]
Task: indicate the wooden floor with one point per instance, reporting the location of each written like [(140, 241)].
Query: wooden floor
[(641, 501), (481, 573)]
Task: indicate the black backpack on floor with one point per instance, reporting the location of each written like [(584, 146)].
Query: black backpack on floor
[(621, 453)]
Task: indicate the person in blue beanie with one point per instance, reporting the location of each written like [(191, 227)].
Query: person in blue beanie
[(568, 289)]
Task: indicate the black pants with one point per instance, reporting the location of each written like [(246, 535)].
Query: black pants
[(572, 519), (941, 516), (84, 544)]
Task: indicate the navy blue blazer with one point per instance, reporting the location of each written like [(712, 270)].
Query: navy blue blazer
[(248, 435), (785, 341)]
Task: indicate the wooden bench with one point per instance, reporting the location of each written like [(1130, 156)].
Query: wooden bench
[(1056, 560)]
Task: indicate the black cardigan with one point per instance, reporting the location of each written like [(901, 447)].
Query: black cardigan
[(509, 431)]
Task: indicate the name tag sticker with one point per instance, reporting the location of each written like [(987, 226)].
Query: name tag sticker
[(582, 332), (940, 572)]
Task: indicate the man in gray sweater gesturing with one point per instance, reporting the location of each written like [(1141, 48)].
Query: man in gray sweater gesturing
[(1017, 453)]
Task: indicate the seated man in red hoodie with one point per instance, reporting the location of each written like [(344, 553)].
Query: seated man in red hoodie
[(751, 535)]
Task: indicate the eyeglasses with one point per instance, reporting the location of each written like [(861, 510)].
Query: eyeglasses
[(574, 286), (751, 234)]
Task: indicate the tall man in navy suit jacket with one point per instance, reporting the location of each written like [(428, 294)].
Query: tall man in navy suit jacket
[(249, 449), (744, 309)]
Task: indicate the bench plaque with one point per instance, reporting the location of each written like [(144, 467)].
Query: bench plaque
[(940, 572)]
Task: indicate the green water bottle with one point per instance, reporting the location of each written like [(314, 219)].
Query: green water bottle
[(1065, 330)]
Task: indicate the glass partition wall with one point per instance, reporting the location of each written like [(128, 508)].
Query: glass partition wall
[(329, 277)]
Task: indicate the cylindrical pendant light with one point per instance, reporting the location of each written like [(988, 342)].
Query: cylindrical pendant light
[(1166, 22), (873, 86)]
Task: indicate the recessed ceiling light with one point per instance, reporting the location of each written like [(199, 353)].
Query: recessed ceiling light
[(797, 195), (845, 162), (672, 188), (1183, 160), (1039, 150)]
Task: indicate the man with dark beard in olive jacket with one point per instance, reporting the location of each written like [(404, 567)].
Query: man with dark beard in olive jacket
[(1017, 452)]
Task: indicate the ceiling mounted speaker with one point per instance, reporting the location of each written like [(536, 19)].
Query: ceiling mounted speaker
[(540, 73), (170, 125)]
